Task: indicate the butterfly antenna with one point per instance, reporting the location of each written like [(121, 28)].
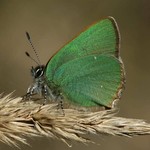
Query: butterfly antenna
[(31, 58), (29, 39)]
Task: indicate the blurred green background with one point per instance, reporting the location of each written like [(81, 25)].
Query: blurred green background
[(51, 23)]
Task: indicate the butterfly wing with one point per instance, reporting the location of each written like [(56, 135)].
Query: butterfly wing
[(88, 70)]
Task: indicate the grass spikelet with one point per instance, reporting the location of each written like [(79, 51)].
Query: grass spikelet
[(19, 120)]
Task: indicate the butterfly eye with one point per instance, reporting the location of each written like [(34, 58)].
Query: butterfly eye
[(38, 72)]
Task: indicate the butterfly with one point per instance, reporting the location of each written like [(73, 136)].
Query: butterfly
[(87, 71)]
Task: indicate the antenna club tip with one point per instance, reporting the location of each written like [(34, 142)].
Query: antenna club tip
[(28, 36), (27, 54)]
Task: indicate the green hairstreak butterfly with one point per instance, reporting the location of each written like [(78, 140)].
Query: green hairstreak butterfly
[(88, 71)]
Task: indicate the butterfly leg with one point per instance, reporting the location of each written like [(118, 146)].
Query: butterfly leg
[(45, 94), (29, 94), (60, 104)]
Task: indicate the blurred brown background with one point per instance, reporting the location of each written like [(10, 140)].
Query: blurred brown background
[(52, 23)]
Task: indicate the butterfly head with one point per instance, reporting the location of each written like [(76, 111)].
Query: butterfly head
[(38, 71)]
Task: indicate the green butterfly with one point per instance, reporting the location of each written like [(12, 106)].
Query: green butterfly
[(88, 71)]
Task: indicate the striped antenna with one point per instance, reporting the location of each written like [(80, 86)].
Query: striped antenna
[(31, 58), (29, 39)]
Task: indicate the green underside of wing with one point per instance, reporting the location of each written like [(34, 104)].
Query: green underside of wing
[(87, 70)]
